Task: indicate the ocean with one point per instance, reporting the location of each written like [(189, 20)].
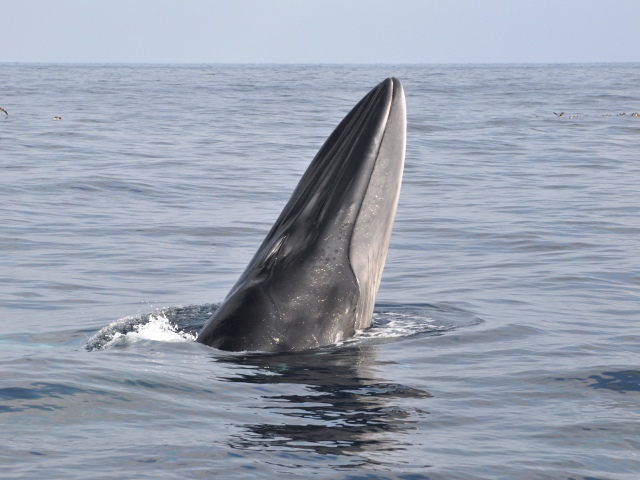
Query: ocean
[(506, 337)]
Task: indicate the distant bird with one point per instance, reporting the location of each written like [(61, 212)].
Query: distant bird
[(558, 114), (635, 114), (621, 114), (3, 110), (57, 118)]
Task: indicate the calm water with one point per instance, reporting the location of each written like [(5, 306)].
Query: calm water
[(506, 343)]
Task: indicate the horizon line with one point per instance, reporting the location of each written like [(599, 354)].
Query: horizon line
[(313, 63)]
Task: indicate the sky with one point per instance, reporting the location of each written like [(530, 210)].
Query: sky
[(320, 31)]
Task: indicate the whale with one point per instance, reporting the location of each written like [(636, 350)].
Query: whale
[(314, 279)]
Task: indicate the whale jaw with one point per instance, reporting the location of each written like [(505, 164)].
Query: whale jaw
[(314, 279)]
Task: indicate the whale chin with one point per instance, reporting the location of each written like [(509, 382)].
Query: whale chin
[(314, 279)]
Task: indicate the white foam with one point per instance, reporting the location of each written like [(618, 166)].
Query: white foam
[(389, 325), (157, 329)]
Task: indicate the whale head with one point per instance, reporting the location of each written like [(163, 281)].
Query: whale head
[(314, 279)]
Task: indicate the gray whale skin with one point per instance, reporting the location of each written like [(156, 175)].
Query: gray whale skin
[(314, 279)]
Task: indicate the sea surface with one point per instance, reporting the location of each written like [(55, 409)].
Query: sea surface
[(506, 337)]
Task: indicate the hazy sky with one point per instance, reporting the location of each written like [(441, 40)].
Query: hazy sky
[(320, 31)]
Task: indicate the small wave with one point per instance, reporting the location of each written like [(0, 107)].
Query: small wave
[(180, 324), (392, 321), (173, 324)]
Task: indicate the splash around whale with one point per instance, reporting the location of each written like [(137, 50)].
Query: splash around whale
[(314, 280)]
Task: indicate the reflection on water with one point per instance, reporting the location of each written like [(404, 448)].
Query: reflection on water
[(345, 409), (621, 381)]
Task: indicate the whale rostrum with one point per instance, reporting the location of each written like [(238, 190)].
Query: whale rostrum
[(314, 279)]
